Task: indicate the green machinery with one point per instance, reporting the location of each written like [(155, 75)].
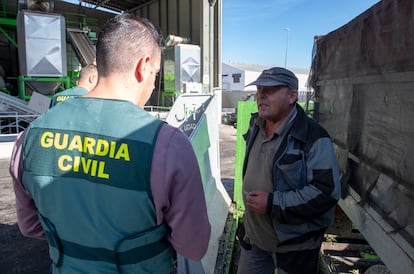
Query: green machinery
[(181, 70), (51, 71)]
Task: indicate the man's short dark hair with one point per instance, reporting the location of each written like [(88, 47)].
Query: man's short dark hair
[(124, 38)]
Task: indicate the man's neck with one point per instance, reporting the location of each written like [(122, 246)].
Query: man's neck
[(272, 126)]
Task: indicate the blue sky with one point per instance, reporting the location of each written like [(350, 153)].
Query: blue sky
[(253, 31)]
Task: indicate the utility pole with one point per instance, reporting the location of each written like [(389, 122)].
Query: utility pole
[(287, 44)]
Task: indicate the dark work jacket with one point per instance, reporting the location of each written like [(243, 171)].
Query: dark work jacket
[(306, 183)]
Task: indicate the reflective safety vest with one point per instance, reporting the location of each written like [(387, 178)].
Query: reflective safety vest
[(87, 165), (66, 94)]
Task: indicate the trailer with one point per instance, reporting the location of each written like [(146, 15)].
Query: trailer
[(363, 77)]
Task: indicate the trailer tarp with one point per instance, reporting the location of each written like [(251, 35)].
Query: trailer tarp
[(363, 77)]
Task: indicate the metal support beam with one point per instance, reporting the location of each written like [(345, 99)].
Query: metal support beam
[(8, 22), (394, 251), (9, 38), (65, 81)]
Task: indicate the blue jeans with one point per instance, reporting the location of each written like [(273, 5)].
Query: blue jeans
[(258, 261)]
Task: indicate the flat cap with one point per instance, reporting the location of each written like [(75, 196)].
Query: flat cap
[(276, 77)]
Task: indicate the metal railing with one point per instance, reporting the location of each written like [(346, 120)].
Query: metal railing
[(15, 114), (13, 122)]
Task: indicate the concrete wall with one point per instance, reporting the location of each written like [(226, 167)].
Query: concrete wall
[(232, 97)]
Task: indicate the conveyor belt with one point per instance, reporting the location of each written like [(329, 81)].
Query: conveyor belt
[(82, 45)]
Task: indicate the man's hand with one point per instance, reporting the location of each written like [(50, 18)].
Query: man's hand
[(257, 201)]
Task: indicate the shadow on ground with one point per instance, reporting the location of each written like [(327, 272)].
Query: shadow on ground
[(21, 255)]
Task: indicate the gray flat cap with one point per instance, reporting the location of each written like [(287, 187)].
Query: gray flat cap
[(276, 77)]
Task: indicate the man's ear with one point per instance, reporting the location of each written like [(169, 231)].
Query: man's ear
[(293, 96), (91, 79), (142, 68)]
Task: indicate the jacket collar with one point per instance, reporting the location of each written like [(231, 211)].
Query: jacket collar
[(300, 125)]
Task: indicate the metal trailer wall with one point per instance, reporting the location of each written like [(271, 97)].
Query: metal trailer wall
[(363, 76)]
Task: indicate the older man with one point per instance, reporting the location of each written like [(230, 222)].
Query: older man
[(290, 182)]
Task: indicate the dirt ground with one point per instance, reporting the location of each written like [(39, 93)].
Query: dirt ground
[(20, 255)]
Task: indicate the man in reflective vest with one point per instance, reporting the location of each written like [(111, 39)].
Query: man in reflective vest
[(111, 188), (88, 77)]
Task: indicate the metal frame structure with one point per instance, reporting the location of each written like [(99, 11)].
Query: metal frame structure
[(65, 83)]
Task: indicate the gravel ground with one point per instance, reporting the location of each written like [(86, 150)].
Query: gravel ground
[(18, 254), (227, 156)]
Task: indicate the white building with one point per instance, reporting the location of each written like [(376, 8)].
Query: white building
[(235, 77)]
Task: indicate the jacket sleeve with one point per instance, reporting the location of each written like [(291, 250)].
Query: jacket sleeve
[(178, 194), (318, 195), (26, 210)]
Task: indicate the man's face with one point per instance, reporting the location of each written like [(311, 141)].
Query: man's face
[(275, 103)]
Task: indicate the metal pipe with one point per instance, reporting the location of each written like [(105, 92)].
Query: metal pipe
[(287, 44)]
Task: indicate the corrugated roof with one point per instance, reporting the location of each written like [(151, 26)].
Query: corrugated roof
[(119, 6), (248, 67), (260, 68)]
